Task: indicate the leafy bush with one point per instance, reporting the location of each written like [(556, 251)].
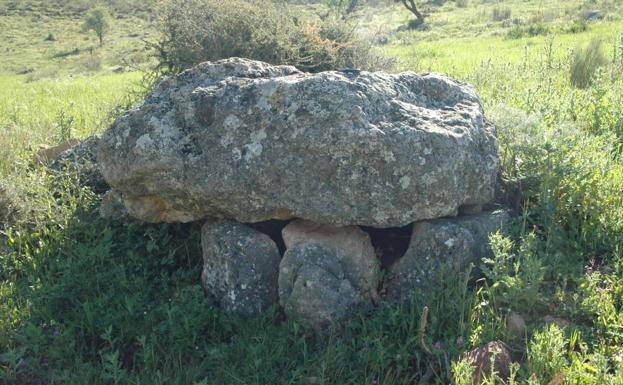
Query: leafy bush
[(344, 7), (576, 26), (93, 62), (9, 205), (515, 277), (570, 181), (546, 353), (193, 31), (586, 60)]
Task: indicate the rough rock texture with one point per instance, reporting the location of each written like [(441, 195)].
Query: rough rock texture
[(516, 325), (481, 359), (246, 140), (80, 160), (451, 243), (112, 207), (593, 14), (350, 244), (314, 288), (241, 267)]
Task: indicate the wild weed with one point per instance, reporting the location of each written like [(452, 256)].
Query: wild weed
[(547, 353), (514, 278), (585, 63)]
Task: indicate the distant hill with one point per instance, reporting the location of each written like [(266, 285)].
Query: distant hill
[(73, 7)]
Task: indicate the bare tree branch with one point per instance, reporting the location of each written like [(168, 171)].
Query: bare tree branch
[(412, 7)]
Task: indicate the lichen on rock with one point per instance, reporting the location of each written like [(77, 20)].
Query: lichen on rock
[(249, 141)]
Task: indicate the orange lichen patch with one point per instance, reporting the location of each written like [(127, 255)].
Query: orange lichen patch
[(154, 209), (147, 208), (282, 214)]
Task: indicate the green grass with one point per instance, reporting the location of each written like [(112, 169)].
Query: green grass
[(461, 56), (70, 83), (24, 45), (83, 300), (32, 113)]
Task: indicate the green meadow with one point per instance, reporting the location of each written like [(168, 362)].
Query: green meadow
[(87, 301)]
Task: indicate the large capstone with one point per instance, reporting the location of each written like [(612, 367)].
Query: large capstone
[(250, 141), (449, 245), (240, 267)]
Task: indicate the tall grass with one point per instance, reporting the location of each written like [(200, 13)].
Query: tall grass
[(33, 113), (585, 63)]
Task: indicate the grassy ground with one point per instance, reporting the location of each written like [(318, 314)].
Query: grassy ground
[(55, 46), (56, 81), (49, 111), (84, 301)]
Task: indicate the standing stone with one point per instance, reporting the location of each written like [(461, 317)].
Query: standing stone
[(450, 243), (240, 267), (314, 288), (246, 140), (326, 273), (351, 245)]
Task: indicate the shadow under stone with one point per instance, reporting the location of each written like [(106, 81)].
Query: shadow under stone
[(390, 244), (272, 228)]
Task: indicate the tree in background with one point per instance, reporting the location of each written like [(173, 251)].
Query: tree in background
[(411, 6), (194, 31), (344, 8), (97, 20)]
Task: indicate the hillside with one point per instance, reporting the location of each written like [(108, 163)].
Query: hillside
[(88, 300)]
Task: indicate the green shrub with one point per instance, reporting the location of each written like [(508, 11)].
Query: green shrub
[(93, 62), (531, 30), (10, 207), (585, 62), (570, 182), (515, 277), (193, 31), (20, 201), (344, 7), (576, 26), (546, 353)]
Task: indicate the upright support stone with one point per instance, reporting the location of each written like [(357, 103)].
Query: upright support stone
[(314, 288), (351, 245), (241, 267), (449, 243), (326, 272)]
